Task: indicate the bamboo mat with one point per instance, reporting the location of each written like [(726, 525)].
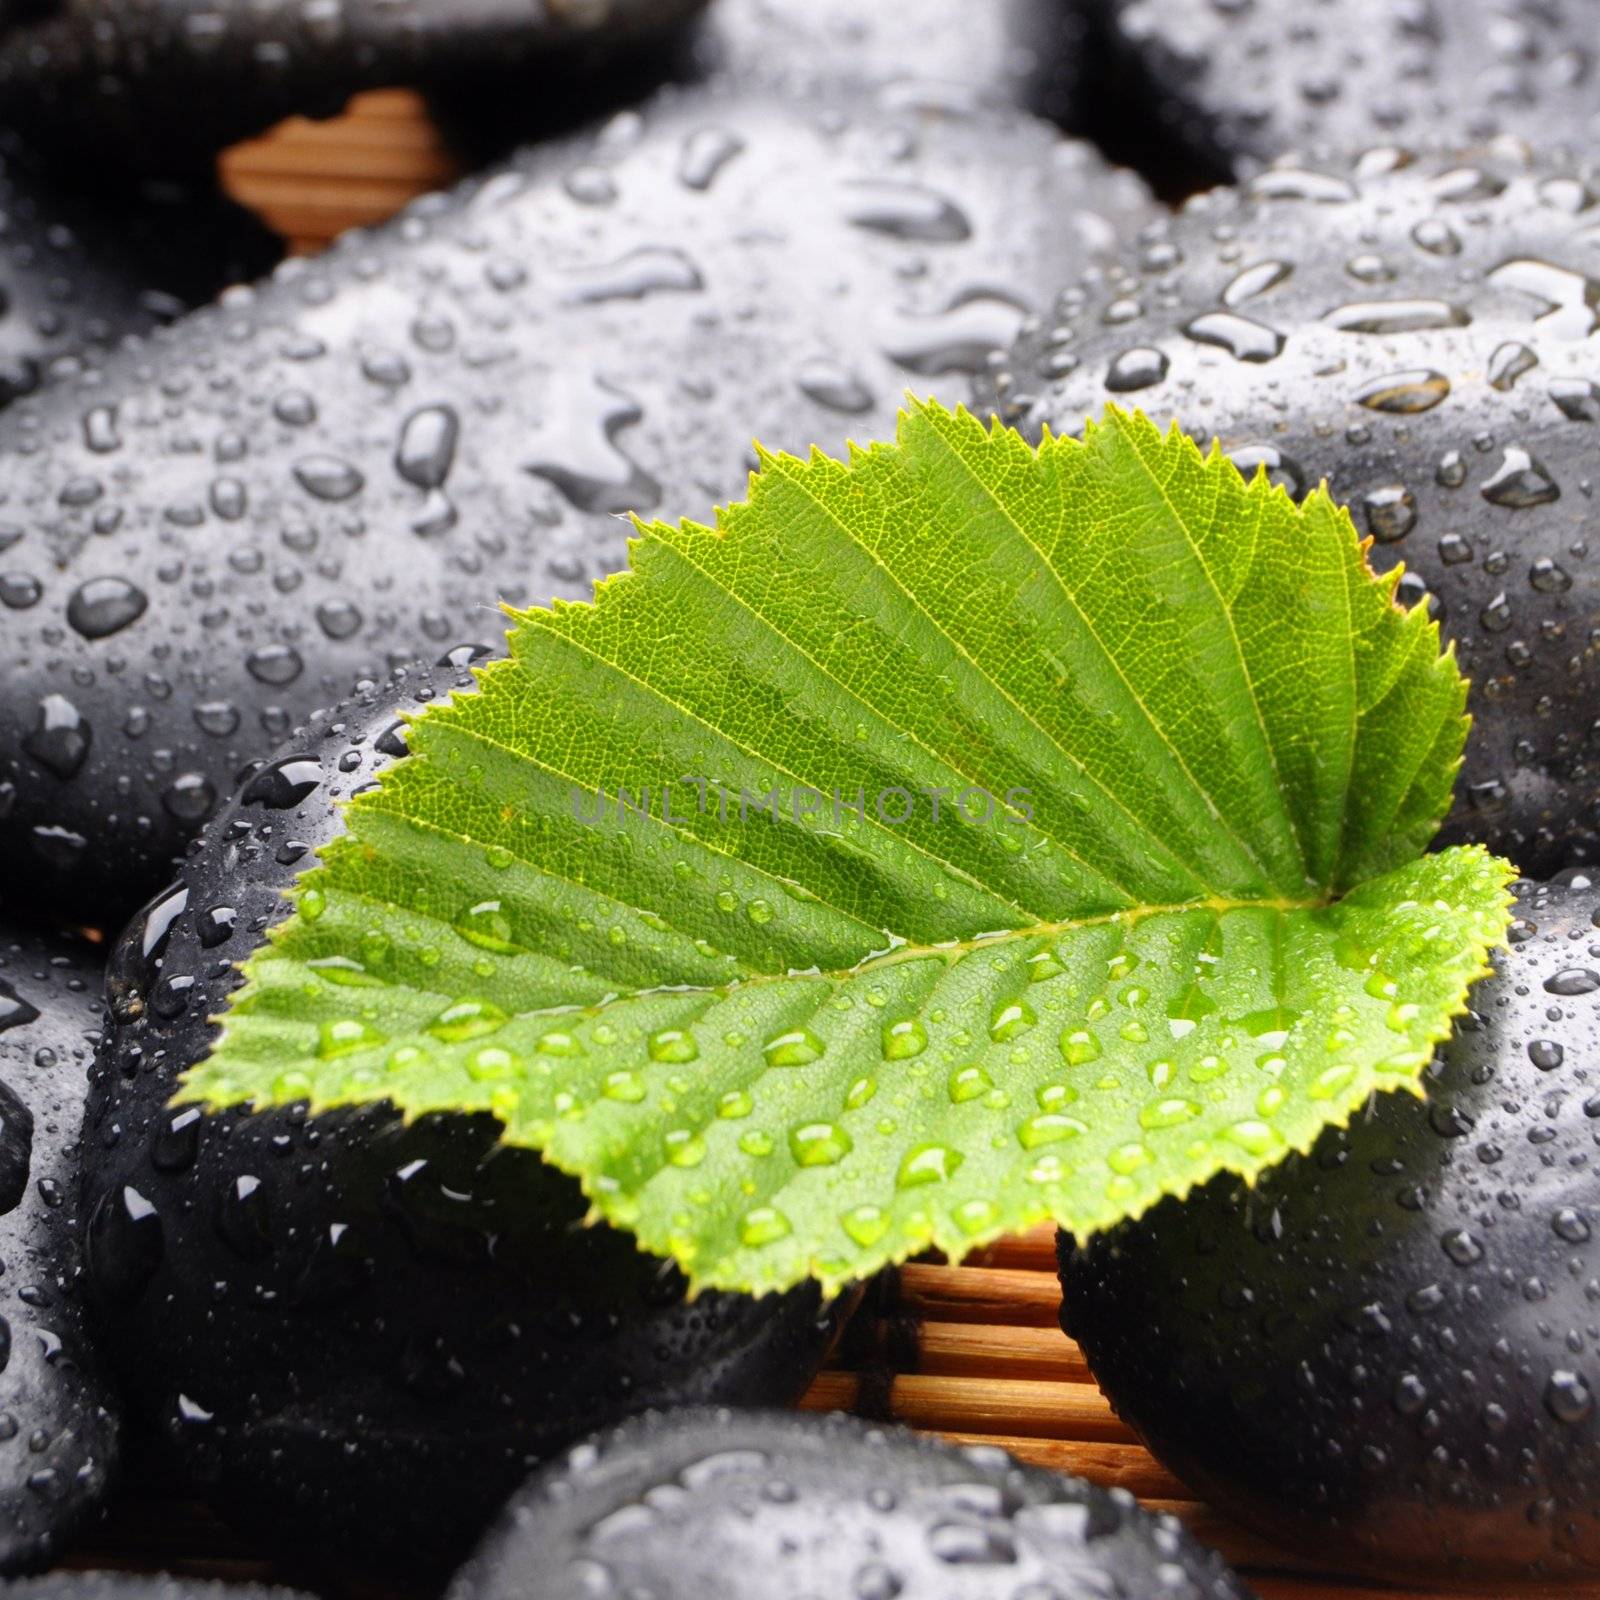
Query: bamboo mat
[(312, 180), (972, 1353)]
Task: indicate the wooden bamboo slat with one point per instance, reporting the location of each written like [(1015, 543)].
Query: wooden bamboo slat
[(1005, 1295), (973, 1353), (978, 1349)]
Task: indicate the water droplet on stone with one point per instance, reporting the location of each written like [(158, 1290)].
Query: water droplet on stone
[(648, 270), (1573, 981), (427, 446), (1405, 393), (1139, 368), (906, 211), (1396, 316), (104, 606), (833, 385), (704, 154), (328, 478), (60, 738), (1243, 338), (1521, 482), (1568, 1397)]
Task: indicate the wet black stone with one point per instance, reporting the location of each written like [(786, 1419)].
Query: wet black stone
[(59, 1423), (81, 270), (708, 1505), (16, 1146), (162, 86), (352, 1331), (1028, 54), (1238, 83), (1386, 1355), (348, 466), (1459, 438)]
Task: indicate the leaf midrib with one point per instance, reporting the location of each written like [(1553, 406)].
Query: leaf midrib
[(954, 950)]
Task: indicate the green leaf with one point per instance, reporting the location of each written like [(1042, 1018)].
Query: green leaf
[(1196, 929)]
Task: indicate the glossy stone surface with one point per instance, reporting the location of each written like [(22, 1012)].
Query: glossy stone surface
[(346, 467), (1026, 53), (1387, 1355), (355, 1331), (712, 1506), (163, 85), (59, 1421), (1421, 333), (1238, 82), (79, 272)]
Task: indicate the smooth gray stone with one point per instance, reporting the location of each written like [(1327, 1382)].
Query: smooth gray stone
[(1239, 82), (709, 1505)]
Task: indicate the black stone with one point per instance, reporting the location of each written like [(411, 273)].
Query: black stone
[(1387, 1355), (59, 1422), (163, 85), (356, 1331), (1234, 83), (1421, 333), (942, 54), (80, 271), (715, 1506), (347, 467)]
